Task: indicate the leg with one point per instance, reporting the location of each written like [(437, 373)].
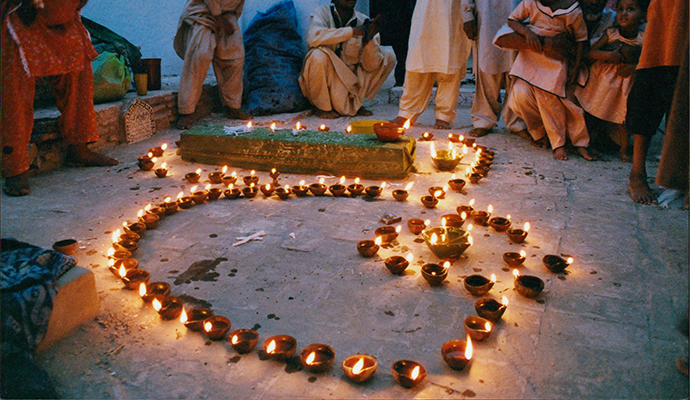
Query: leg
[(638, 186), (197, 60), (447, 94), (315, 82), (485, 107), (228, 63), (576, 128), (624, 139), (514, 123), (415, 97), (523, 103)]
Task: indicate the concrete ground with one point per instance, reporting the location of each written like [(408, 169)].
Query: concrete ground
[(605, 329)]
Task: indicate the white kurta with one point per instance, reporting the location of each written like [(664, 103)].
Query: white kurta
[(341, 82), (200, 43)]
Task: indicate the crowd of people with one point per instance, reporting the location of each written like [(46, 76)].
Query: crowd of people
[(561, 73)]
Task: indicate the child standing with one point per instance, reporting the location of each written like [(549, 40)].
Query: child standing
[(539, 95), (615, 56)]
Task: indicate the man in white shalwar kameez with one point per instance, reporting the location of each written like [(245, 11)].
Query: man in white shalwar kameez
[(209, 33), (482, 19), (345, 63), (438, 52)]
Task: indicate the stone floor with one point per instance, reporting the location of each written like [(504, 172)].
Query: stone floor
[(605, 329)]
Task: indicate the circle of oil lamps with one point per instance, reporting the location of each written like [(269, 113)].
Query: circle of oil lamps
[(169, 308), (154, 290), (251, 178), (300, 190), (214, 193), (267, 189), (280, 347), (230, 179), (368, 248), (243, 340), (479, 285), (491, 309), (527, 285), (193, 177), (500, 224), (514, 259), (416, 225), (555, 263), (317, 357), (216, 327), (435, 274), (161, 172), (375, 191), (283, 192), (408, 373), (318, 189), (517, 235), (457, 353), (477, 328), (250, 191), (397, 264), (359, 368), (195, 318), (232, 192), (356, 188), (387, 233)]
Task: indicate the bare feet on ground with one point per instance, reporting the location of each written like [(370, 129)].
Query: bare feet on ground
[(185, 121), (236, 113), (399, 120), (17, 185), (542, 143), (479, 132), (80, 155), (560, 154), (364, 112), (326, 114), (640, 191), (524, 134), (585, 154), (440, 124)]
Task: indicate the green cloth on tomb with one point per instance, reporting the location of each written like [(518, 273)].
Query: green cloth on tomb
[(309, 152)]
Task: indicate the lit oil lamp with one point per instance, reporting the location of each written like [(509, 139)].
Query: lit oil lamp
[(232, 192), (318, 189), (158, 151), (478, 285), (134, 277), (491, 309), (402, 194), (468, 141), (117, 266), (454, 138), (527, 285), (169, 206), (482, 217), (243, 340), (348, 129), (387, 233), (416, 225), (477, 328), (435, 274), (437, 191), (429, 201), (267, 189), (283, 192), (299, 126), (339, 188), (397, 264), (360, 367), (274, 174), (217, 176), (159, 211), (517, 235), (184, 202), (154, 290), (481, 170), (169, 308), (368, 248), (216, 327), (199, 196), (213, 193), (324, 128), (473, 177), (356, 188), (273, 127), (280, 347), (452, 220), (388, 131), (426, 136), (149, 219), (555, 263), (375, 191), (500, 224), (195, 318), (193, 177), (456, 184), (408, 373), (447, 243), (250, 191), (230, 179), (515, 259), (145, 163), (317, 357), (251, 178), (445, 160), (467, 209), (457, 353), (162, 171), (300, 190)]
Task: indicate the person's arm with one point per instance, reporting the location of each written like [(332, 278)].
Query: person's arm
[(532, 39), (575, 70), (469, 19), (599, 54), (320, 33)]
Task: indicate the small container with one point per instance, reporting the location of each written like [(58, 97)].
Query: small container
[(185, 202), (386, 233), (500, 224), (528, 285), (229, 180), (474, 177), (429, 201), (216, 327), (360, 367), (196, 317), (283, 347), (156, 290), (267, 189), (126, 263), (145, 163), (408, 373), (434, 274), (453, 220), (516, 235), (437, 189), (317, 357), (135, 277), (214, 193), (161, 172), (192, 177), (355, 189), (171, 308), (66, 246), (396, 264), (300, 190), (481, 217), (232, 194), (249, 179), (478, 328), (478, 285), (367, 248), (489, 309), (150, 220), (513, 259), (250, 191), (456, 184), (317, 189), (554, 263), (373, 191), (199, 196), (453, 353), (216, 177), (416, 225), (243, 340), (400, 194), (388, 131), (283, 193), (337, 189)]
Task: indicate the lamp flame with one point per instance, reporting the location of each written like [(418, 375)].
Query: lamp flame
[(193, 189), (122, 271), (249, 125), (378, 240), (235, 339), (234, 173), (356, 180), (348, 129), (446, 265), (470, 240), (450, 145), (406, 125), (523, 253), (183, 316), (148, 207), (398, 229), (164, 146), (463, 215), (427, 222), (150, 155), (322, 180), (142, 289), (231, 186), (111, 252), (156, 305), (198, 171), (471, 203), (287, 187), (301, 183), (487, 326), (464, 149), (116, 236), (322, 127), (311, 357), (208, 326), (179, 195), (111, 263), (383, 185), (268, 186), (434, 238), (271, 347), (443, 222), (225, 169), (208, 186), (490, 209), (357, 369), (251, 185), (252, 173), (493, 278), (273, 127), (167, 199), (432, 150), (516, 273), (438, 193), (164, 165), (569, 260), (526, 228), (469, 227), (409, 257), (415, 372), (298, 125), (508, 217), (342, 179), (468, 348), (504, 301)]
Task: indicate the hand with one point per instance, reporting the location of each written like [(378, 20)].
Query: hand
[(631, 54), (375, 27), (557, 47), (38, 4), (470, 28), (533, 41), (626, 70), (225, 26)]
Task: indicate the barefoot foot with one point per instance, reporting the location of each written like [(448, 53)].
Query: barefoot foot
[(400, 121), (440, 124), (640, 191), (585, 154), (479, 132), (523, 134), (364, 112), (326, 114), (542, 143), (185, 121), (236, 113), (560, 154), (81, 156), (17, 185)]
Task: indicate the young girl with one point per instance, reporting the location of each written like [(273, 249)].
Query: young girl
[(615, 54), (539, 95)]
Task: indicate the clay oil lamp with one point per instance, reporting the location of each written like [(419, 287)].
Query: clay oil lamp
[(154, 290), (169, 206), (149, 219), (387, 233), (317, 357), (116, 266), (162, 172), (435, 274), (491, 309), (437, 191), (126, 244), (447, 243), (199, 196), (375, 191), (426, 136), (356, 188), (456, 184), (500, 224), (555, 263), (397, 264), (299, 126), (360, 367), (243, 340), (429, 201), (467, 209), (482, 217), (339, 188), (452, 220), (274, 174), (401, 194), (194, 320), (474, 177), (457, 353), (478, 285), (250, 191), (485, 156), (416, 225), (445, 160), (118, 255), (481, 170), (484, 162), (323, 128), (514, 259), (159, 211), (193, 177), (300, 190), (517, 235), (232, 192), (216, 327), (158, 151), (280, 347), (267, 189), (283, 192), (169, 308), (477, 328), (388, 131), (368, 248), (134, 277), (214, 193), (230, 179), (469, 141), (318, 189), (251, 178), (128, 235), (145, 163), (455, 138), (66, 246), (217, 177), (408, 373), (527, 285), (184, 202)]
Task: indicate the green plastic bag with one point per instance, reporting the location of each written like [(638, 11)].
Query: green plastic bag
[(111, 78)]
